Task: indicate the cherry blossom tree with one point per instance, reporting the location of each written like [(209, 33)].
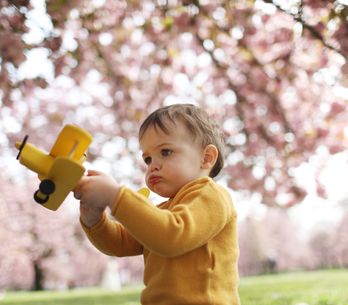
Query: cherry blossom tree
[(43, 249), (329, 245), (272, 72), (274, 243)]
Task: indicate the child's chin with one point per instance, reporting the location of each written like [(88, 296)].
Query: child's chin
[(163, 193)]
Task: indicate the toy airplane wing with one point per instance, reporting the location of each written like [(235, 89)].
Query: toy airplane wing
[(72, 142), (144, 191), (61, 169)]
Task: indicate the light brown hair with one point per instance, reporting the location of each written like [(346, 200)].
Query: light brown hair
[(197, 122)]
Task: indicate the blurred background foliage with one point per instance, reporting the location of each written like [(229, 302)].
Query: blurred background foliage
[(273, 73)]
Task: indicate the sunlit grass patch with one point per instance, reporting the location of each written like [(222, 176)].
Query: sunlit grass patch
[(301, 288), (91, 296)]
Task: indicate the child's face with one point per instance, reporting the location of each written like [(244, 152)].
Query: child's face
[(172, 159)]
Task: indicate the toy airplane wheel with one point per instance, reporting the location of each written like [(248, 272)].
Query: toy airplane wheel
[(46, 188)]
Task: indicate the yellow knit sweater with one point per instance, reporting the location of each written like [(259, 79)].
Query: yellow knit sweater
[(189, 243)]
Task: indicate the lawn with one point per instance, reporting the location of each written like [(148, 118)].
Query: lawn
[(302, 288), (312, 288)]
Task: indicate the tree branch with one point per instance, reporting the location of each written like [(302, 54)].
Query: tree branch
[(312, 30), (240, 99)]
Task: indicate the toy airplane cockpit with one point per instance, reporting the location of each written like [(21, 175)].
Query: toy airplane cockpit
[(59, 170)]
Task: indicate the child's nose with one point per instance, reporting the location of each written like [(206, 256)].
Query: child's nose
[(155, 165)]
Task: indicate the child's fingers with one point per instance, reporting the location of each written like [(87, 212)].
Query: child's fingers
[(77, 190), (77, 194), (92, 172)]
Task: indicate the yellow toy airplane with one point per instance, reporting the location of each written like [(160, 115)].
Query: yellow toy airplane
[(61, 169)]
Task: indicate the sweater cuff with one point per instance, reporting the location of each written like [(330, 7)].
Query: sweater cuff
[(96, 226)]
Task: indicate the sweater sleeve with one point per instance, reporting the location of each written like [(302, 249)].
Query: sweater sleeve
[(111, 238), (197, 213)]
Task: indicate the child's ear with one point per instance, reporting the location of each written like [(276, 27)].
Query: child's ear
[(209, 156)]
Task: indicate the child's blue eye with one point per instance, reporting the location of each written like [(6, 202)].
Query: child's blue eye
[(147, 160), (166, 152)]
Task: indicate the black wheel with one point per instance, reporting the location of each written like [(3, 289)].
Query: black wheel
[(39, 198), (47, 187)]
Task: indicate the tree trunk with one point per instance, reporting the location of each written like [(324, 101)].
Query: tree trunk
[(38, 277)]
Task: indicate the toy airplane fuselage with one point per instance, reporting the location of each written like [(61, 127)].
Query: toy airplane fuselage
[(59, 170)]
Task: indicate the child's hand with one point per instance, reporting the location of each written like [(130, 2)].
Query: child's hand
[(95, 191)]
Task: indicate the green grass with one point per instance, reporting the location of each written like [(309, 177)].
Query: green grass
[(313, 288), (92, 296)]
